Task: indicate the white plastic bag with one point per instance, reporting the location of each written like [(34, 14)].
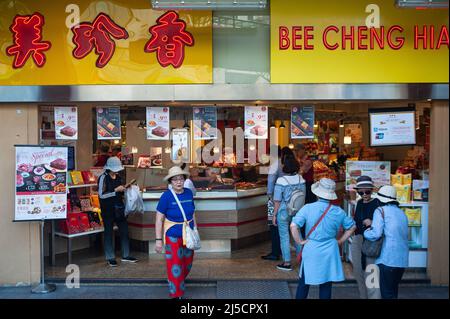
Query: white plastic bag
[(133, 201)]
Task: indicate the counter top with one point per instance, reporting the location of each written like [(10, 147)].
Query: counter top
[(223, 194)]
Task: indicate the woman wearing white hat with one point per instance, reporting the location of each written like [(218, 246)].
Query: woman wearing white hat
[(170, 229), (391, 222), (320, 260), (111, 193)]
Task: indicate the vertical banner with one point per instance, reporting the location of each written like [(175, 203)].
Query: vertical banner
[(158, 123), (108, 123), (302, 122), (205, 123), (41, 183), (256, 122), (180, 145), (66, 123)]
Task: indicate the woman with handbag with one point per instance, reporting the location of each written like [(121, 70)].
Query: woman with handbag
[(391, 224), (365, 208), (320, 261), (111, 195), (284, 188), (174, 214)]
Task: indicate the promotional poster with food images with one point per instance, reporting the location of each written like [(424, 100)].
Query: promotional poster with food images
[(66, 123), (380, 172), (41, 183), (205, 123), (302, 122), (256, 122), (108, 123), (158, 123)]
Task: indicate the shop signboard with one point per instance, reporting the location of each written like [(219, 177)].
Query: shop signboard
[(41, 182), (108, 123), (380, 172), (85, 42), (302, 122), (357, 41), (256, 122), (156, 157), (181, 146), (392, 128), (158, 123), (66, 123), (205, 123)]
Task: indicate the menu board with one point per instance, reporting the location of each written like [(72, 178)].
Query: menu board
[(180, 145), (156, 157), (302, 122), (66, 123), (205, 123), (256, 122), (392, 128), (41, 182), (158, 123), (380, 172), (108, 123)]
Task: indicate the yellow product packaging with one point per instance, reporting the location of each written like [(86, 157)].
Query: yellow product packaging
[(414, 216), (407, 179), (77, 178), (403, 193), (396, 179)]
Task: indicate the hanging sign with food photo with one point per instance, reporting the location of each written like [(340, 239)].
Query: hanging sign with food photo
[(41, 183), (66, 123), (108, 123), (256, 118), (158, 123), (205, 123), (302, 122)]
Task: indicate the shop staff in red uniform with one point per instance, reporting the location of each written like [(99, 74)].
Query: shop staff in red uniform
[(306, 170), (169, 218)]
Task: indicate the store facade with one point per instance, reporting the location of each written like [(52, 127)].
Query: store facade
[(236, 60)]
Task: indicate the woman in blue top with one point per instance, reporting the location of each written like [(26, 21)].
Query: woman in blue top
[(178, 257), (394, 252), (321, 263), (283, 189)]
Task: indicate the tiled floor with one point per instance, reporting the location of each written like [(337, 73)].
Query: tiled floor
[(244, 264)]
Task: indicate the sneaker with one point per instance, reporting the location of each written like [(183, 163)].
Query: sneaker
[(129, 259), (112, 263), (284, 267), (270, 257)]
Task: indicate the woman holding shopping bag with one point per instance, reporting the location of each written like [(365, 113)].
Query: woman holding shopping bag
[(171, 230)]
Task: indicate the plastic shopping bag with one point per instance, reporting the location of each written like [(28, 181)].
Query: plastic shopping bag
[(133, 201)]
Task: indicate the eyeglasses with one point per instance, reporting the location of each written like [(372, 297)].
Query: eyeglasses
[(178, 179), (365, 193)]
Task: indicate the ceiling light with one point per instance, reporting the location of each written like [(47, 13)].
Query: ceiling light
[(422, 4), (282, 125), (347, 140), (209, 4)]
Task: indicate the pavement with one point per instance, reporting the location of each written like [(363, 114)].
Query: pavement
[(209, 290)]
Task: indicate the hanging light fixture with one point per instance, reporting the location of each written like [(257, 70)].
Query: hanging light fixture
[(341, 123), (141, 125), (186, 124)]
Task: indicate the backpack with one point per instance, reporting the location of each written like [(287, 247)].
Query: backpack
[(296, 201)]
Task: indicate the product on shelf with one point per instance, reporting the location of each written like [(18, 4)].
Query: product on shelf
[(414, 216), (88, 177), (77, 178), (420, 190), (403, 193)]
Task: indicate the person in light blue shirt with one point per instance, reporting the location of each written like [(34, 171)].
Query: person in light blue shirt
[(321, 262), (394, 252)]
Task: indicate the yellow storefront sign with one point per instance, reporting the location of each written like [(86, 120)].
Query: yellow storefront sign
[(85, 42), (356, 41)]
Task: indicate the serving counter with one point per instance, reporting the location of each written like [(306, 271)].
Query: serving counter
[(227, 219)]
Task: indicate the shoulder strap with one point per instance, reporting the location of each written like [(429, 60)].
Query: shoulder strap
[(318, 222), (284, 177), (179, 204)]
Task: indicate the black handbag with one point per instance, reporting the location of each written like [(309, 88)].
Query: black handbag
[(373, 248)]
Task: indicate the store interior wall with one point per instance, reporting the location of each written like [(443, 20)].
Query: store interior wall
[(19, 241)]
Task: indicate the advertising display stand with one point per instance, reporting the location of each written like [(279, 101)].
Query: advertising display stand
[(43, 287)]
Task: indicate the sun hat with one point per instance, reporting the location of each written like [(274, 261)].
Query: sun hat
[(325, 188), (364, 182), (113, 164), (387, 194), (174, 171)]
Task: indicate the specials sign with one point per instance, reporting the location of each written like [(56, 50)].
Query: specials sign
[(357, 41)]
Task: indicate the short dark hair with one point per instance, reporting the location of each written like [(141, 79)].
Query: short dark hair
[(104, 148), (291, 165), (285, 152)]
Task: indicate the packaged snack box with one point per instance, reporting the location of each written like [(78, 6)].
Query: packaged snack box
[(403, 193), (414, 216), (396, 179), (406, 179)]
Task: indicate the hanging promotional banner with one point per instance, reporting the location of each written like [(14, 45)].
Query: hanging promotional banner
[(103, 42), (41, 183), (302, 122), (180, 146), (256, 122), (108, 123), (66, 123), (357, 41), (156, 157), (380, 172), (205, 123), (158, 123)]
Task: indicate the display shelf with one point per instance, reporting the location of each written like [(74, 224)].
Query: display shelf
[(81, 186), (91, 232)]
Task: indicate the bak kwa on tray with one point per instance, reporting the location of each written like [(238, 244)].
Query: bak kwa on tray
[(59, 164), (68, 131), (160, 131)]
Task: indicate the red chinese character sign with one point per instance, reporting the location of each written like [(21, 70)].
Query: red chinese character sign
[(27, 38), (169, 37), (88, 36)]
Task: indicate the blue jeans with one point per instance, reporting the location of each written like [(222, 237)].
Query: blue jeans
[(390, 278), (303, 289), (108, 223), (284, 221)]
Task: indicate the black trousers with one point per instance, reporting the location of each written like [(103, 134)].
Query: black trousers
[(276, 248), (390, 278)]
